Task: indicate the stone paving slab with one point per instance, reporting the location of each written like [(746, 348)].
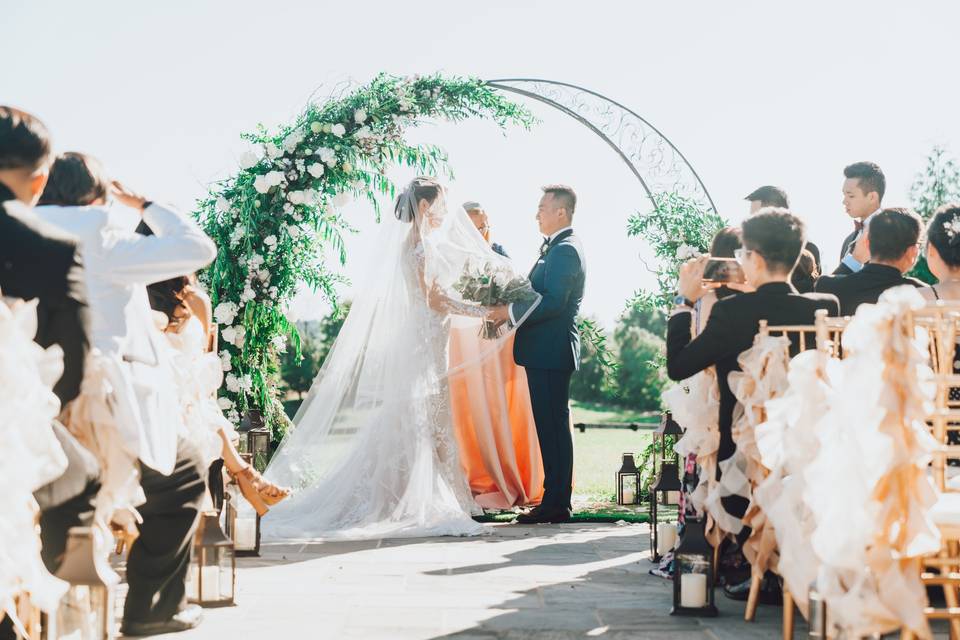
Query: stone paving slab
[(556, 582)]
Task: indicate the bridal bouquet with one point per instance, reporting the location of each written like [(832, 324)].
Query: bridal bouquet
[(492, 285)]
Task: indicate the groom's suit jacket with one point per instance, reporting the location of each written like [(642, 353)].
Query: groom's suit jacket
[(548, 337)]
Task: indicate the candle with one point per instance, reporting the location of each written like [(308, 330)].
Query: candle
[(209, 583), (246, 533), (666, 537), (629, 496), (693, 590)]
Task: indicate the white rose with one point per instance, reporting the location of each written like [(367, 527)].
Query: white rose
[(327, 155), (315, 169), (316, 127), (338, 130), (234, 335), (291, 141), (222, 205), (270, 241), (263, 275), (255, 261), (236, 236), (342, 199), (274, 178), (273, 151), (294, 231), (233, 383), (248, 160), (225, 403), (359, 116), (296, 197), (226, 362), (225, 312), (245, 383), (248, 294), (260, 184)]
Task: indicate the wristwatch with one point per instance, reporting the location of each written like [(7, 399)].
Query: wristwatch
[(683, 301)]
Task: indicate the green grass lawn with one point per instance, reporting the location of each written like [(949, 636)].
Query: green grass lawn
[(597, 454), (594, 413)]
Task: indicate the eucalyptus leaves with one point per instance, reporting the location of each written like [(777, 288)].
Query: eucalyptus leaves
[(278, 220)]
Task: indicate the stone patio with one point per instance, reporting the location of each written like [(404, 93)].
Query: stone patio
[(520, 583)]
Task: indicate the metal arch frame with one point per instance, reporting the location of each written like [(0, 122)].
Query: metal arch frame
[(499, 84)]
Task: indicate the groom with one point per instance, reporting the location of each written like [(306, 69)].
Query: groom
[(547, 345)]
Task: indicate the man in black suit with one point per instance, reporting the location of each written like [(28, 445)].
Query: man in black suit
[(893, 240), (39, 262), (772, 241), (771, 196), (547, 345), (863, 188)]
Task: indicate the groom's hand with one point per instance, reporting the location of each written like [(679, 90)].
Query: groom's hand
[(498, 315)]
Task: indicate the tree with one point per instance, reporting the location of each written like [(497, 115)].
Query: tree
[(936, 185), (592, 382), (316, 340), (640, 379)]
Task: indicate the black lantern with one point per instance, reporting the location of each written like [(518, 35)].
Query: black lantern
[(628, 481), (241, 523), (693, 573), (255, 438), (212, 579), (86, 611), (665, 486)]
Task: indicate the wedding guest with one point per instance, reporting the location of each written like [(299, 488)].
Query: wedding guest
[(724, 245), (772, 241), (943, 253), (893, 240), (481, 221), (120, 263), (771, 196), (806, 272), (40, 262), (863, 188)]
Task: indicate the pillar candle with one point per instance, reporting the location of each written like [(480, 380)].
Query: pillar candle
[(693, 590), (666, 537), (246, 533), (209, 583)]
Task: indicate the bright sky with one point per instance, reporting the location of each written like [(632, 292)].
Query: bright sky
[(751, 92)]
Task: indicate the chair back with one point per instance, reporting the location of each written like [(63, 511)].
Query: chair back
[(825, 334)]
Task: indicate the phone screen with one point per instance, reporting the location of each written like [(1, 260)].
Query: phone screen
[(720, 271)]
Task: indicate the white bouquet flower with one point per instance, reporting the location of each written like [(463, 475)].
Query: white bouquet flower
[(225, 312)]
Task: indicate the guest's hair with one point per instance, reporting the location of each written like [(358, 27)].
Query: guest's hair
[(893, 231), (942, 234), (566, 195), (726, 242), (869, 177), (169, 298), (805, 274), (76, 179), (770, 196), (24, 140), (777, 235)]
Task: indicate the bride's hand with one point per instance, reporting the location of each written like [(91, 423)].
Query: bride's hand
[(498, 315)]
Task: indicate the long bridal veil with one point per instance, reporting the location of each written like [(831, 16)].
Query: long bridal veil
[(372, 452)]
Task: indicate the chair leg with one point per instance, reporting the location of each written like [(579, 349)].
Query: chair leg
[(950, 591), (754, 598), (788, 612)]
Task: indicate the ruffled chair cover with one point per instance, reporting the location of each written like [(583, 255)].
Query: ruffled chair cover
[(867, 486), (763, 377), (32, 455)]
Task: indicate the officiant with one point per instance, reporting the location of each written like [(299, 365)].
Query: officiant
[(481, 221)]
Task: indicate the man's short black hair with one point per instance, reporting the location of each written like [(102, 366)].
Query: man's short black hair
[(869, 177), (892, 232), (566, 195), (24, 140), (770, 196), (777, 235)]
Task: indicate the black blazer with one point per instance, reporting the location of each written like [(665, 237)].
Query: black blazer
[(549, 338), (729, 331), (37, 260), (864, 286), (845, 248)]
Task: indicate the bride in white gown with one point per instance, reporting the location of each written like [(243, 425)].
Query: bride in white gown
[(373, 452)]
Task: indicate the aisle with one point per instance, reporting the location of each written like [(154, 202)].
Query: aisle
[(551, 582)]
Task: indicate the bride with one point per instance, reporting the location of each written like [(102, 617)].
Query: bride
[(373, 452)]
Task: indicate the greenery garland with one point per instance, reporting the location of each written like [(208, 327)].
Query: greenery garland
[(277, 220)]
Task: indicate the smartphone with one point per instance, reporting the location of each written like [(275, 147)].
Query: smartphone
[(721, 271)]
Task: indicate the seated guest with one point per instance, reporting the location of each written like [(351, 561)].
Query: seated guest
[(770, 196), (943, 253), (863, 188), (724, 244), (893, 239), (40, 262), (772, 241), (805, 275), (482, 222), (120, 263)]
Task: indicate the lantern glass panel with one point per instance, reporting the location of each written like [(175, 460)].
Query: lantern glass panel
[(242, 524), (259, 447), (212, 577), (85, 613)]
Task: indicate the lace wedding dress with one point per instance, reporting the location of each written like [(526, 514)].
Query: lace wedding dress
[(373, 453)]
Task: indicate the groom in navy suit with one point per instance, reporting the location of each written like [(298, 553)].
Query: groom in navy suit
[(547, 345)]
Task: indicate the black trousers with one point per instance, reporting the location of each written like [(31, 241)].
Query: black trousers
[(159, 559), (550, 397)]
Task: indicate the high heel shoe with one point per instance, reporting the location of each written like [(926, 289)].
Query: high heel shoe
[(267, 492), (245, 480)]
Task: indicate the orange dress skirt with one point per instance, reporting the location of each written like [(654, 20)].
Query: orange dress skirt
[(493, 421)]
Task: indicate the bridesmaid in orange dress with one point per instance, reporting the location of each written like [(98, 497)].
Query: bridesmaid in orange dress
[(492, 415)]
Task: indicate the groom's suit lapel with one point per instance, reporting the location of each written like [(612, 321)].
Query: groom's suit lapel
[(543, 255)]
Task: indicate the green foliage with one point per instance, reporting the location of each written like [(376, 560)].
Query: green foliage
[(677, 228), (639, 380), (278, 222), (936, 185), (595, 381)]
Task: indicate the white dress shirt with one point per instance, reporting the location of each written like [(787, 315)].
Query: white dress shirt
[(118, 264)]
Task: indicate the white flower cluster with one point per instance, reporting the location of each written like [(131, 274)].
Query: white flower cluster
[(236, 235), (293, 140), (248, 160), (307, 197), (235, 335), (327, 156), (952, 227), (236, 384), (263, 183), (685, 252), (225, 313)]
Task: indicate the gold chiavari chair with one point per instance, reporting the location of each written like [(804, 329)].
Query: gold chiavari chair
[(941, 321), (826, 336)]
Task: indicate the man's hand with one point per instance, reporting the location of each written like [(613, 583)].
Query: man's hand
[(499, 315), (861, 249), (127, 197), (691, 278)]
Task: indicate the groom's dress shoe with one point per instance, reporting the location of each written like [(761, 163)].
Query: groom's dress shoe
[(545, 516)]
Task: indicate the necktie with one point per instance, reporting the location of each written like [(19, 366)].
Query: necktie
[(858, 225)]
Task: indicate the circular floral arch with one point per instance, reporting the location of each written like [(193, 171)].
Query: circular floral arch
[(278, 220)]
